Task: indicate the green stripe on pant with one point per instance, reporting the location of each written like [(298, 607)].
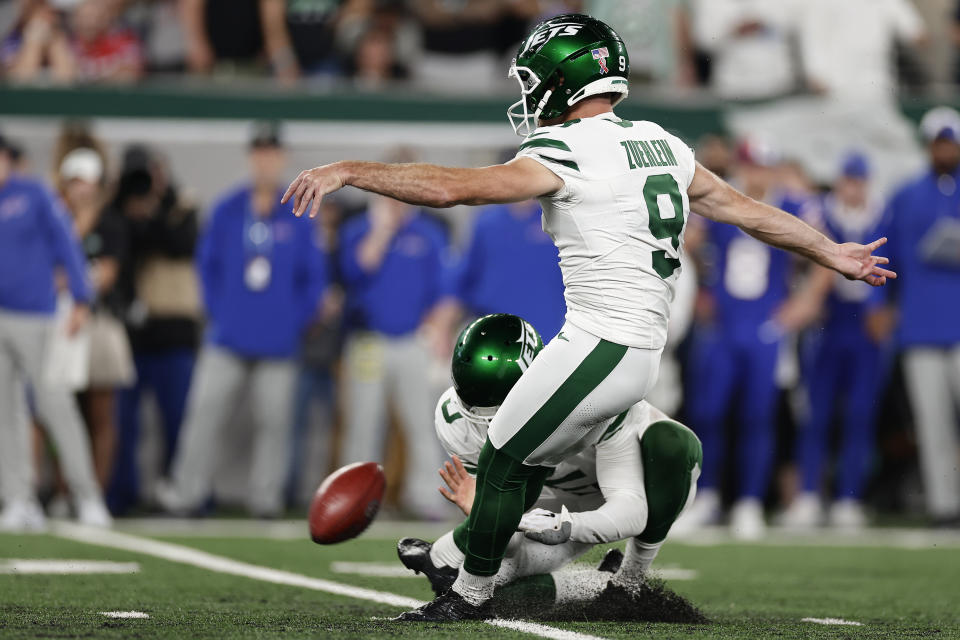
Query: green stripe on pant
[(585, 378), (505, 486)]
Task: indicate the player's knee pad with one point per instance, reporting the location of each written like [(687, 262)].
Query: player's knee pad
[(670, 453), (672, 443)]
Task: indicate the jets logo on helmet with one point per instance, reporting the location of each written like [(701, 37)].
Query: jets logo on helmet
[(601, 55), (561, 62), (540, 37), (530, 345)]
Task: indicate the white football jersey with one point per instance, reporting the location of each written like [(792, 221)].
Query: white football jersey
[(574, 481), (618, 222)]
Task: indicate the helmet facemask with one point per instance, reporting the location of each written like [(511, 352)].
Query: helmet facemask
[(522, 121)]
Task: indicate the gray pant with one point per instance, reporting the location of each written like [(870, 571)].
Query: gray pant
[(24, 339), (219, 379), (933, 382), (381, 371)]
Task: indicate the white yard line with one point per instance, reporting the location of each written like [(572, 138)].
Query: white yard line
[(675, 573), (220, 564), (64, 567), (376, 569), (541, 630), (833, 621), (126, 615)]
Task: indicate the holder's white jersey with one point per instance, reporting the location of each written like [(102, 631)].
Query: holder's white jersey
[(618, 222), (576, 482)]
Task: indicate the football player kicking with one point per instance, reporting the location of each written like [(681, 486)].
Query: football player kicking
[(632, 483), (616, 195)]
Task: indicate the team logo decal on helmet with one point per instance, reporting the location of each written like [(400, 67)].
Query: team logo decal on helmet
[(601, 55), (552, 31), (530, 345)]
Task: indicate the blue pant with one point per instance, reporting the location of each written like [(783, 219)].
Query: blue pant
[(168, 375), (725, 367), (843, 368), (313, 384)]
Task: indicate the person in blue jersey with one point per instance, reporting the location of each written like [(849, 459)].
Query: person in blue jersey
[(263, 276), (844, 366), (393, 270), (735, 351), (35, 240), (923, 220), (511, 266)]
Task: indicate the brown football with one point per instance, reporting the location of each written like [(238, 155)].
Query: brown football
[(346, 502)]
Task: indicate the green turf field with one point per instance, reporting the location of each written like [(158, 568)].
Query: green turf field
[(749, 591)]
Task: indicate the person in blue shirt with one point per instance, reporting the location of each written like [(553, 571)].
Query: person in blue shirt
[(511, 266), (392, 265), (262, 277), (844, 365), (923, 226), (735, 352), (35, 240)]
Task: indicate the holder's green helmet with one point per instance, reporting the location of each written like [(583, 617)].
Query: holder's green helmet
[(490, 356), (562, 61)]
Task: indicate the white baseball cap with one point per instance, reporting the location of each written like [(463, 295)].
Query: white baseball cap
[(83, 164), (941, 123)]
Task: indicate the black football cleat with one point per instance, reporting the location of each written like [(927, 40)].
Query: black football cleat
[(611, 561), (450, 607), (415, 554)]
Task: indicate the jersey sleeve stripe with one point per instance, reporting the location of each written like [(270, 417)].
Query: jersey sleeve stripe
[(545, 142), (569, 164)]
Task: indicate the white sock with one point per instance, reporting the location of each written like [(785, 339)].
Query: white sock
[(636, 561), (444, 552), (475, 589)]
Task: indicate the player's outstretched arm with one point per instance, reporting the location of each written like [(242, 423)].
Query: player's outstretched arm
[(713, 198), (425, 184)]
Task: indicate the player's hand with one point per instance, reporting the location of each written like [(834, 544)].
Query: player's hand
[(462, 486), (312, 185), (857, 262), (546, 526)]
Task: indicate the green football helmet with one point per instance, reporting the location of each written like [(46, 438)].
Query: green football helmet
[(564, 60), (490, 356)]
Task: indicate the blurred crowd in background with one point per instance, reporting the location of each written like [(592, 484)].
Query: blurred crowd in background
[(818, 401), (740, 49)]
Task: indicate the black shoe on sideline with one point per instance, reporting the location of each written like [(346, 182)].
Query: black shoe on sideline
[(414, 553), (450, 607)]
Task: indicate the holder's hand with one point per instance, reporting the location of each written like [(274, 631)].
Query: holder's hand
[(462, 486), (546, 526)]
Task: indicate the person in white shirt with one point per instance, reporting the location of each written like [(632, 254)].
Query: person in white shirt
[(750, 43), (847, 48)]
